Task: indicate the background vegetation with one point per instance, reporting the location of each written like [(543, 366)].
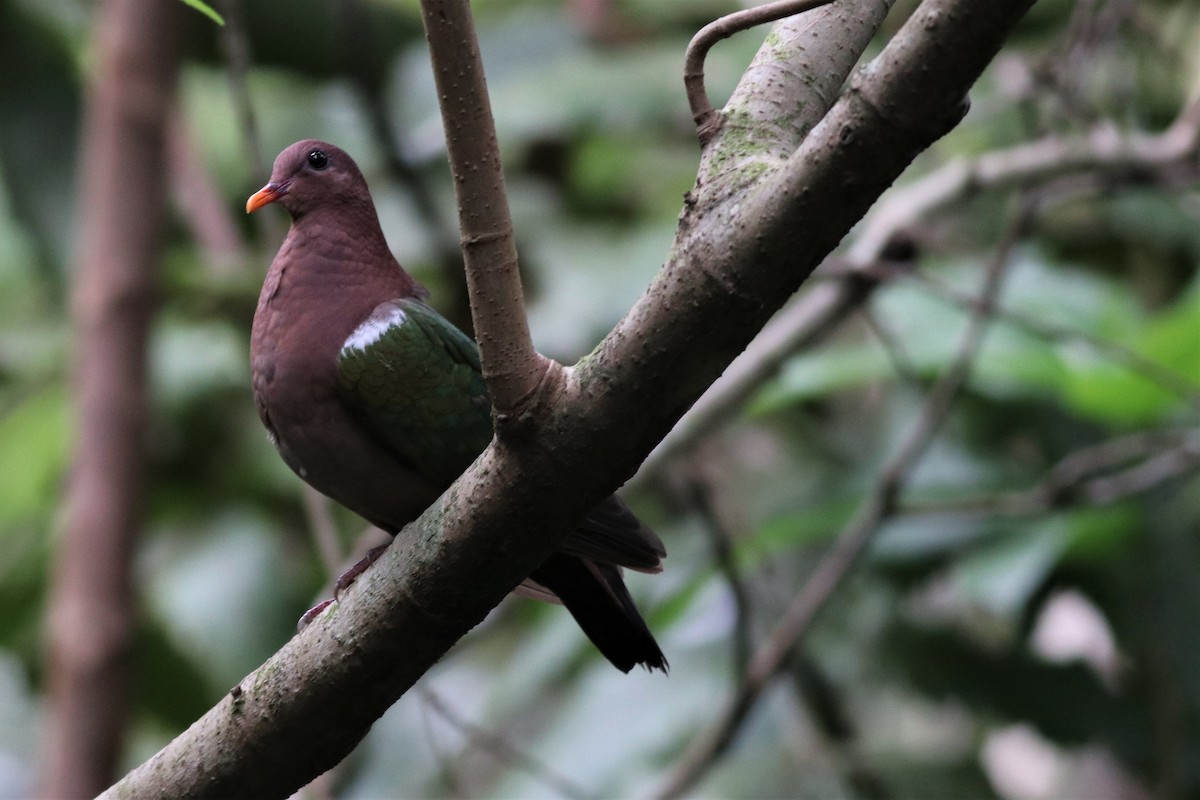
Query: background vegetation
[(1024, 623)]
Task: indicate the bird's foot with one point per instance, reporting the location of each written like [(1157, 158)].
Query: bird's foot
[(341, 584), (312, 614), (351, 575)]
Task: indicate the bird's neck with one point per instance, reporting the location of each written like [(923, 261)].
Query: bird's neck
[(342, 227), (331, 272), (343, 246)]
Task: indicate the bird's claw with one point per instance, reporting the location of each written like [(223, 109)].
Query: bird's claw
[(341, 584), (351, 575), (313, 613)]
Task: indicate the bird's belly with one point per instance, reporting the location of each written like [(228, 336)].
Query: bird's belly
[(323, 443)]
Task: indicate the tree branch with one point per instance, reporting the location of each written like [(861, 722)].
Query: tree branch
[(1097, 475), (589, 426), (1102, 148), (823, 307), (512, 367), (504, 751)]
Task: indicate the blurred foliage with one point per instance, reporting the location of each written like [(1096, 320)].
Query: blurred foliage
[(978, 643)]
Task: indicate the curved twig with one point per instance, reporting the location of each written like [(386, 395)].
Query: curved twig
[(703, 113)]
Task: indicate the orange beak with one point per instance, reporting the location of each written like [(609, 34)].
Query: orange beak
[(268, 194)]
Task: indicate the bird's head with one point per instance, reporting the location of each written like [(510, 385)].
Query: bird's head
[(311, 174)]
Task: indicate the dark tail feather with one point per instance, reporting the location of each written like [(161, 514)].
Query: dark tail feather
[(596, 596)]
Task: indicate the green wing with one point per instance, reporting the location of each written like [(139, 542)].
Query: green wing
[(415, 381)]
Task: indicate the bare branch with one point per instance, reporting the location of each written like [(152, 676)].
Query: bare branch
[(698, 492), (1097, 475), (1164, 377), (202, 207), (235, 47), (800, 325), (512, 367), (804, 321), (1104, 148)]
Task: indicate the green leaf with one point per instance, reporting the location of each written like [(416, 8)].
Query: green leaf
[(1098, 535), (206, 10), (1112, 392)]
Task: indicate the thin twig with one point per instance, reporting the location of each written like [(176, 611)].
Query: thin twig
[(235, 46), (367, 67), (1164, 377), (202, 207), (852, 541), (1097, 475), (822, 700), (705, 117), (324, 531), (901, 362), (447, 254), (446, 770), (500, 748), (699, 494)]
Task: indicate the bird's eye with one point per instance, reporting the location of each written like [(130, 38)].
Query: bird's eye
[(318, 160)]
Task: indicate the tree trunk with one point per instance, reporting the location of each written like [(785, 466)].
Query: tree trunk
[(122, 193)]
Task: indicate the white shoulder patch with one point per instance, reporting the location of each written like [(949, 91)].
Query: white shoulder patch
[(374, 327)]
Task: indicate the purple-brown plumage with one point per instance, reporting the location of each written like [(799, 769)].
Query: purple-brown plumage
[(376, 400)]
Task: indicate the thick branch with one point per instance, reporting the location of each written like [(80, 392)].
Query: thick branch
[(588, 427), (733, 271), (512, 368), (792, 81)]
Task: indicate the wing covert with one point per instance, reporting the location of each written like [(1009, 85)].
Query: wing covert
[(415, 381)]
